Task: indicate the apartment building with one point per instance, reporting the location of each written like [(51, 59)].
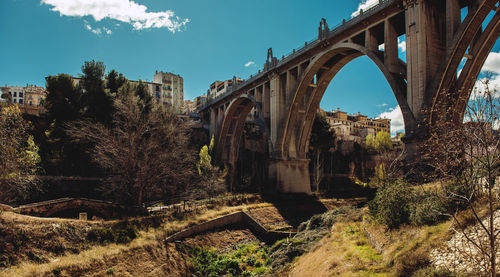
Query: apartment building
[(28, 98), (356, 127)]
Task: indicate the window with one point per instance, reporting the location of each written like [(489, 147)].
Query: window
[(20, 94), (15, 94), (20, 101), (14, 100)]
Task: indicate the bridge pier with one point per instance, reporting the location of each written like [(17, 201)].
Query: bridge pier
[(288, 91), (290, 176)]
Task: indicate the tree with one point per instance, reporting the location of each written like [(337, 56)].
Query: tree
[(211, 179), (466, 156), (386, 169), (61, 156), (114, 81), (322, 138), (97, 104), (143, 153), (19, 157), (144, 96), (381, 143)]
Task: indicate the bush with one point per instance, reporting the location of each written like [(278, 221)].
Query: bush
[(245, 260), (109, 235), (391, 204), (427, 209)]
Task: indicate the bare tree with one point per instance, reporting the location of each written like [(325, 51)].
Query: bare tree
[(144, 153), (466, 154)]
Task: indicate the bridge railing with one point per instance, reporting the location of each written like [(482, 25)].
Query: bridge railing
[(306, 46)]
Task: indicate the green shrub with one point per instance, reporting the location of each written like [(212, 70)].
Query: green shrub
[(427, 209), (109, 235), (454, 189), (391, 204), (245, 260)]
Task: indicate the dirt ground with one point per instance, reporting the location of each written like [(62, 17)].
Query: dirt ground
[(42, 241), (158, 259)]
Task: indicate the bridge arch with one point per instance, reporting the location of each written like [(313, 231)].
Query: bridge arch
[(294, 142), (229, 138), (452, 92)]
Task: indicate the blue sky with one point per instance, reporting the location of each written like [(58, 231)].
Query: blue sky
[(202, 40)]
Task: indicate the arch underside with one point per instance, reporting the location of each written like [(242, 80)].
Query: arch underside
[(452, 92), (298, 124), (229, 138)]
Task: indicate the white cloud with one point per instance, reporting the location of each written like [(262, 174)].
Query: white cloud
[(491, 66), (250, 63), (98, 31), (492, 63), (396, 117), (126, 11), (107, 31), (401, 45), (382, 105), (366, 4)]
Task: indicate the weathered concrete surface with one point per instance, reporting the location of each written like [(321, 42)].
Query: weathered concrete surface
[(227, 220), (290, 176)]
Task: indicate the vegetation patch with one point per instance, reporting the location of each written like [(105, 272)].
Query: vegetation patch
[(243, 260), (110, 235), (309, 233)]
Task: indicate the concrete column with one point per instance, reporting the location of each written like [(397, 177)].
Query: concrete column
[(391, 58), (275, 101), (267, 100), (453, 19), (290, 176), (258, 94), (370, 40), (213, 118), (426, 46), (291, 84)]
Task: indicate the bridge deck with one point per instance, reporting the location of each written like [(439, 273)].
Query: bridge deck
[(337, 30)]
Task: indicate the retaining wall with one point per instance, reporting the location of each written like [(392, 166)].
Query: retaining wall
[(227, 220)]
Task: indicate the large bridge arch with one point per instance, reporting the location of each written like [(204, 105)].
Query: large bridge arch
[(314, 82), (229, 138), (452, 93)]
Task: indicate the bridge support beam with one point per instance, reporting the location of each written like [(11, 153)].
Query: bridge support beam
[(426, 46), (290, 176)]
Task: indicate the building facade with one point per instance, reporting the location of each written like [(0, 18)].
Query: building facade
[(28, 99), (172, 90), (356, 127), (199, 102), (218, 88)]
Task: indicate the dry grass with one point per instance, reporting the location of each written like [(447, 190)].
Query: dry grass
[(87, 259), (357, 248), (344, 252)]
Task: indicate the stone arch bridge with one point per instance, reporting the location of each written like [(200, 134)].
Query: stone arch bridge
[(286, 94)]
